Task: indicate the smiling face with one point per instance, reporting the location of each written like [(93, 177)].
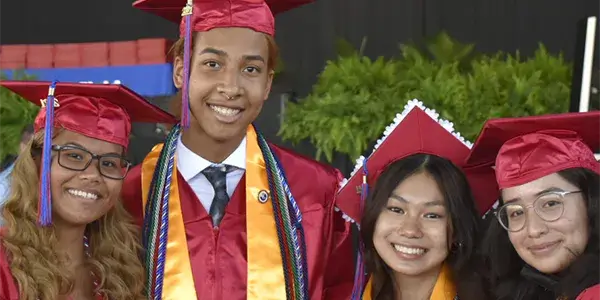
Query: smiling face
[(411, 233), (81, 197), (549, 247), (229, 81)]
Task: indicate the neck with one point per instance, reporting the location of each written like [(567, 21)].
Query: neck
[(70, 243), (208, 148), (417, 287)]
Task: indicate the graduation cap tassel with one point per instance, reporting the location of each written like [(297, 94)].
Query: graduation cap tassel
[(45, 201), (359, 273), (185, 99)]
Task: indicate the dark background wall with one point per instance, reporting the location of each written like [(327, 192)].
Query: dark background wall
[(306, 35)]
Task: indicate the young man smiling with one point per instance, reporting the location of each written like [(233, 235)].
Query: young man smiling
[(226, 214)]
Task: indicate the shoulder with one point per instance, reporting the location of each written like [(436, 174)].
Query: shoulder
[(591, 293), (295, 162), (308, 178), (131, 193)]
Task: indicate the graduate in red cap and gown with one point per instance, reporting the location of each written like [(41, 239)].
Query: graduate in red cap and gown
[(226, 214), (419, 220), (66, 233), (544, 243)]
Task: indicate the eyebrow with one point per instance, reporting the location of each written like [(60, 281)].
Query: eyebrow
[(222, 53), (430, 203), (86, 149), (540, 193)]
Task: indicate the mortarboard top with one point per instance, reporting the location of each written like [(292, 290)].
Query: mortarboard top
[(101, 111), (209, 14), (416, 130), (527, 148)]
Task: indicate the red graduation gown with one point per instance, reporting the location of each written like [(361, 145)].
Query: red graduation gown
[(218, 256), (591, 293), (8, 287)]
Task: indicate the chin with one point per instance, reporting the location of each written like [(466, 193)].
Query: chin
[(552, 266), (225, 132)]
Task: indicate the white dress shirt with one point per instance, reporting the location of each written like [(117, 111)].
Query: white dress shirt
[(191, 165)]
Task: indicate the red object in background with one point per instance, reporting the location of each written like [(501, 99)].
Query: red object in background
[(40, 56), (67, 55), (153, 51), (13, 56), (94, 54), (122, 53)]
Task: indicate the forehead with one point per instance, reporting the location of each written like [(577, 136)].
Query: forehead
[(95, 146), (528, 190), (234, 41), (419, 188)]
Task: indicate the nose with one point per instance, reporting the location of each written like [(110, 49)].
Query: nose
[(91, 173), (536, 227), (230, 87), (411, 228)]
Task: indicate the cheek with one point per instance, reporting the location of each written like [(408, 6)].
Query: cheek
[(575, 232), (114, 189), (59, 176), (383, 228), (438, 234)]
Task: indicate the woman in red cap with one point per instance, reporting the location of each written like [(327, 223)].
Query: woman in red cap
[(226, 214), (544, 244), (419, 225), (70, 237)]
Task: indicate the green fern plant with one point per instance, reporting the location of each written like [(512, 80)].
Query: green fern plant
[(15, 114), (355, 97)]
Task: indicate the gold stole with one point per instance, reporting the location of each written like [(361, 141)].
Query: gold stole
[(265, 266), (443, 290)]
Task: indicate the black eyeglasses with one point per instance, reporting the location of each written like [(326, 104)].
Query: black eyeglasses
[(549, 207), (75, 158)]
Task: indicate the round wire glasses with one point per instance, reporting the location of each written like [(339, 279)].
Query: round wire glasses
[(75, 158), (549, 207)]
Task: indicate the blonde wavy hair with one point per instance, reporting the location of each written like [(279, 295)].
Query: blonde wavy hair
[(37, 267)]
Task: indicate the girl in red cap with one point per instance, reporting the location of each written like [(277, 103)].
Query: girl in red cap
[(67, 234), (544, 242), (419, 225)]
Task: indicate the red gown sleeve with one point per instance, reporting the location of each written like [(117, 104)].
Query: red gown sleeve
[(131, 194), (592, 293), (339, 276), (8, 288)]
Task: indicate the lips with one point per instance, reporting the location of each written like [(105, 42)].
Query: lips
[(543, 246)]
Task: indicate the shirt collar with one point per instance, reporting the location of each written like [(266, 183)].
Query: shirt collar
[(195, 163)]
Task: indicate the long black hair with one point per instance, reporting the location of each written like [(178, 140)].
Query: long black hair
[(463, 260), (511, 278)]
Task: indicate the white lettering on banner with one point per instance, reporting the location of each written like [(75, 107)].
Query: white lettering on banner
[(103, 82)]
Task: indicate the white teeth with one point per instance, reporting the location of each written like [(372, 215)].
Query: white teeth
[(407, 250), (226, 111), (82, 194)]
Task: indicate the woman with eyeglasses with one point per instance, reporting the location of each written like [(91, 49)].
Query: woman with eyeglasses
[(66, 233), (544, 242), (420, 225)]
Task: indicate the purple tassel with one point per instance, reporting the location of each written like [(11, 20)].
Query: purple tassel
[(185, 101), (359, 273), (45, 201)]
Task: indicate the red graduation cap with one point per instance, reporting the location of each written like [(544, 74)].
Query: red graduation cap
[(100, 111), (527, 148), (209, 14), (204, 15), (417, 130)]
